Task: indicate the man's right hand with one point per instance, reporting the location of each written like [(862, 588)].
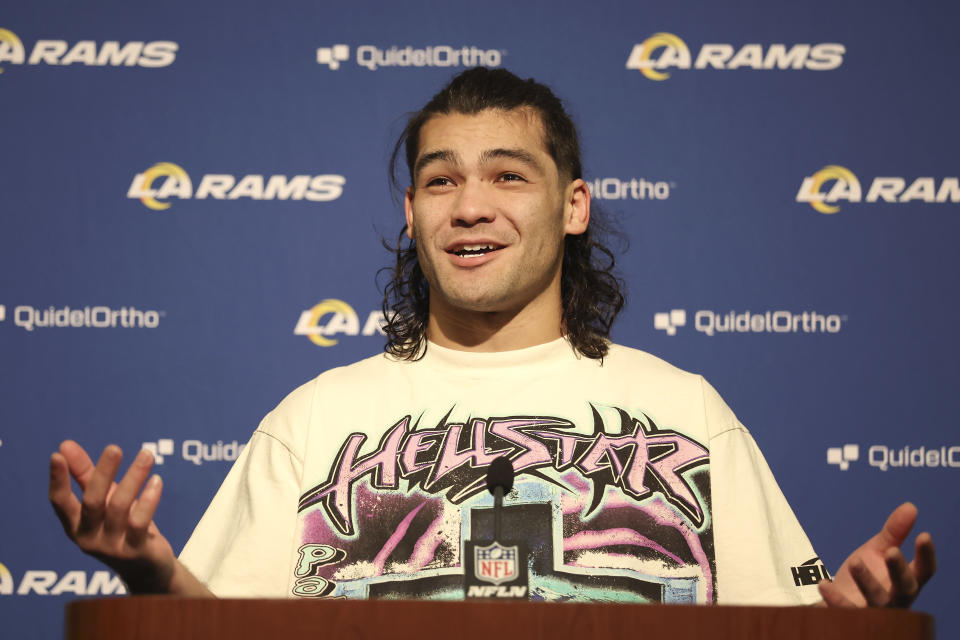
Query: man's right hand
[(110, 522)]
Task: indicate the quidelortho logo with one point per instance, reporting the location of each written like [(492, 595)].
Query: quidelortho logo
[(333, 56), (843, 456), (372, 57), (669, 320), (97, 317), (886, 458), (166, 180), (159, 449), (629, 189), (110, 53), (49, 583), (319, 328), (712, 323), (663, 51), (834, 183), (195, 451)]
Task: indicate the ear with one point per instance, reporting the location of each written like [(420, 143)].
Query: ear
[(408, 210), (576, 207)]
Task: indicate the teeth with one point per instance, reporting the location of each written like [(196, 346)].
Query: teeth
[(474, 250)]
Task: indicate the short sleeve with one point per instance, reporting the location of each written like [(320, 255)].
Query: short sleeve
[(762, 551), (243, 544)]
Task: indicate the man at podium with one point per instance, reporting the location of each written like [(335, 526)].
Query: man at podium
[(634, 482)]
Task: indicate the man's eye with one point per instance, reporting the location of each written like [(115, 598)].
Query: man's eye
[(511, 177), (439, 182)]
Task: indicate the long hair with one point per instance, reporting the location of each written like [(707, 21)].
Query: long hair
[(590, 292)]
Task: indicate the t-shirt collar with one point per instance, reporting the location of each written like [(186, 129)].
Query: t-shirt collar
[(549, 353)]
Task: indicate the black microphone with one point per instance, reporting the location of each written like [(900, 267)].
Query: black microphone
[(500, 474), (498, 569), (499, 482)]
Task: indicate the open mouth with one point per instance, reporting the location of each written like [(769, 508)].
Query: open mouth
[(474, 250)]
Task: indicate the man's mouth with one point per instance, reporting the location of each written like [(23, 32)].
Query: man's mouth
[(474, 250)]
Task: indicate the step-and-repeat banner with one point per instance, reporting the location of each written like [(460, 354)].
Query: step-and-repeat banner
[(193, 199)]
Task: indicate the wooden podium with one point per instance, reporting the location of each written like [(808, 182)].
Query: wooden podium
[(167, 618)]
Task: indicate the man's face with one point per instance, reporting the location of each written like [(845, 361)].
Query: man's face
[(489, 211)]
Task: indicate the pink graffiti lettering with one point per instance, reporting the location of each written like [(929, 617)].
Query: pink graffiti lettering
[(453, 457)]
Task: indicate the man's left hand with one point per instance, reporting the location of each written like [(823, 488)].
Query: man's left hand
[(877, 574)]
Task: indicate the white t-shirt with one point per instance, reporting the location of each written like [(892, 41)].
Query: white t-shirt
[(634, 482)]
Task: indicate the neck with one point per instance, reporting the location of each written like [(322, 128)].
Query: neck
[(538, 322)]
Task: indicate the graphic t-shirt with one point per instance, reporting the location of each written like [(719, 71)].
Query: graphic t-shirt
[(634, 482)]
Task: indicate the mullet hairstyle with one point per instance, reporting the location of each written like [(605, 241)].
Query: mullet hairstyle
[(590, 292)]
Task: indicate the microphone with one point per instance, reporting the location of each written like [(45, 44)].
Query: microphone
[(499, 482), (496, 568), (500, 475)]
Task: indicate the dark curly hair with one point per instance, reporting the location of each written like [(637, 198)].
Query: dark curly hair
[(590, 292)]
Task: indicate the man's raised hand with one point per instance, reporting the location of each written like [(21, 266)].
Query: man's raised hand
[(110, 521), (877, 574)]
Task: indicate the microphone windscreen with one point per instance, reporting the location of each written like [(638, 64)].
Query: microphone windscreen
[(500, 474)]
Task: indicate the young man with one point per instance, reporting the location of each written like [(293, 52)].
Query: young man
[(634, 481)]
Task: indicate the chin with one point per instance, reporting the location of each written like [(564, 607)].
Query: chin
[(478, 302)]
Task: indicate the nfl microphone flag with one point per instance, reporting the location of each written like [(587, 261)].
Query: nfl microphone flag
[(496, 568)]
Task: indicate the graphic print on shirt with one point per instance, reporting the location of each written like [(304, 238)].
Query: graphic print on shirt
[(617, 511)]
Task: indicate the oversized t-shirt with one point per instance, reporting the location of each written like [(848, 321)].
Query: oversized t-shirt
[(634, 483)]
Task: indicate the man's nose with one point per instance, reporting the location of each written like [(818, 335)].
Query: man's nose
[(474, 204)]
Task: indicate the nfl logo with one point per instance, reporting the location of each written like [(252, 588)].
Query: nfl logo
[(495, 563)]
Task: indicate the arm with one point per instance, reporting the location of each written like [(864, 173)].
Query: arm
[(877, 574), (112, 524)]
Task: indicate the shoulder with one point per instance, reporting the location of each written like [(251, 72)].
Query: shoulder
[(646, 367), (290, 419), (359, 372), (665, 380), (335, 380), (620, 355)]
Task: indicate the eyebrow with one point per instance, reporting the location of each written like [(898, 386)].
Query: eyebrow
[(450, 156), (441, 155)]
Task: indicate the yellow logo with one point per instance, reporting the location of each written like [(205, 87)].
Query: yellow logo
[(846, 186), (343, 319), (676, 54), (6, 581), (176, 184), (11, 49)]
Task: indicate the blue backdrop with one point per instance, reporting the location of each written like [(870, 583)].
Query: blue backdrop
[(193, 196)]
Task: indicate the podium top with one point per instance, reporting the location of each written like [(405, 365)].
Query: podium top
[(158, 617)]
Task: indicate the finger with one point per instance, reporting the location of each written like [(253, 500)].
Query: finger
[(119, 501), (833, 595), (143, 509), (65, 503), (874, 592), (93, 503), (80, 465), (903, 584), (924, 563), (897, 527)]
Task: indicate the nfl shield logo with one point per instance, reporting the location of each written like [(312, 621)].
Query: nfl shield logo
[(495, 563)]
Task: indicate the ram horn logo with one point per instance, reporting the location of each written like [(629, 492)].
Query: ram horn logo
[(11, 49), (676, 54), (177, 183), (6, 581), (846, 186), (310, 320)]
